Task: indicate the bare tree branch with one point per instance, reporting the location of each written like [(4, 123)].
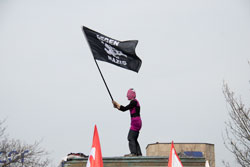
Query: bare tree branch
[(237, 138), (2, 128), (16, 153)]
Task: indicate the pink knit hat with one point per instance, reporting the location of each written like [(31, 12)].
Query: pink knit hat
[(131, 94)]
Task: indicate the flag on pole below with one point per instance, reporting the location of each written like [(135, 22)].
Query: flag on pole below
[(120, 53), (95, 156), (174, 160)]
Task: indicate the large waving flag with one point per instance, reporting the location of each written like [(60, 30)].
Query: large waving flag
[(174, 160), (95, 156), (120, 53)]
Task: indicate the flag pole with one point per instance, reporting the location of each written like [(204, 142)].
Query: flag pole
[(103, 79), (98, 67)]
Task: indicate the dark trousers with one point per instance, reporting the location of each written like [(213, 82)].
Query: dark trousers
[(134, 146)]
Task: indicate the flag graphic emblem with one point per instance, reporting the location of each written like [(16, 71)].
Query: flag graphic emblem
[(119, 53)]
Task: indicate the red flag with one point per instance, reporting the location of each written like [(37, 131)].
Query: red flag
[(174, 160), (95, 156)]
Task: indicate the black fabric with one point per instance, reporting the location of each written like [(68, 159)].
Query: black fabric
[(132, 104), (120, 53), (134, 146), (137, 114)]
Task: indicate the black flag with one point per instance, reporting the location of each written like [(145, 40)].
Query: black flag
[(120, 53)]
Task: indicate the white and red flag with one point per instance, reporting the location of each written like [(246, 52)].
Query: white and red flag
[(174, 160), (95, 156)]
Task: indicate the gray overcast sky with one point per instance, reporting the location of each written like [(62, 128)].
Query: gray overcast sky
[(50, 88)]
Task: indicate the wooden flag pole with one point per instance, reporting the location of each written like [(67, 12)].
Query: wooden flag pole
[(103, 79)]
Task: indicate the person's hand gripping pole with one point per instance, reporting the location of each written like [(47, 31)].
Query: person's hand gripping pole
[(116, 105)]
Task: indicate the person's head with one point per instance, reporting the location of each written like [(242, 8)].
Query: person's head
[(131, 94)]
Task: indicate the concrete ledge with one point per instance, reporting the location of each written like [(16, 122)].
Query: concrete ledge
[(143, 161)]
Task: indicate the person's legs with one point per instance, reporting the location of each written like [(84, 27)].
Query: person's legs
[(134, 146), (132, 136), (138, 148)]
